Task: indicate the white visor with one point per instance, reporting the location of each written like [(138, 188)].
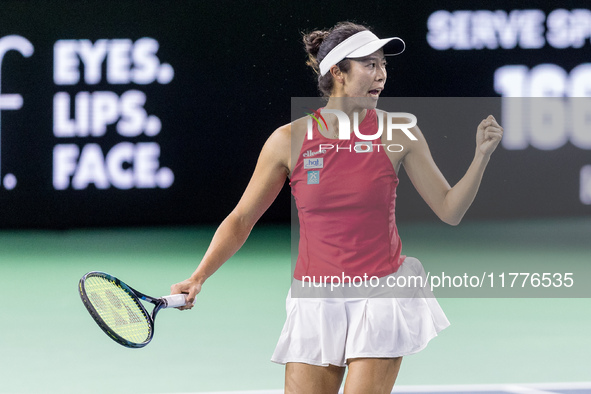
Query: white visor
[(358, 45)]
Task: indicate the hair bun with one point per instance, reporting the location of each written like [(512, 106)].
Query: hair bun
[(319, 43), (312, 42)]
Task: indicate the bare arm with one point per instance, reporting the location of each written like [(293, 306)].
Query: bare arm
[(266, 182), (451, 203)]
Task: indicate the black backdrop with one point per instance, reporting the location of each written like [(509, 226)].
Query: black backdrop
[(236, 67)]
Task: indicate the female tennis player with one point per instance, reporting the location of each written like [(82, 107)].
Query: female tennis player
[(345, 199)]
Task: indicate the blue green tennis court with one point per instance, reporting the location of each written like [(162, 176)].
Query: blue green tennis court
[(49, 343)]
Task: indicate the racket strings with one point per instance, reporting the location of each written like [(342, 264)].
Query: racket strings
[(118, 309)]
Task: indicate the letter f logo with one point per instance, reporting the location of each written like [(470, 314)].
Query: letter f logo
[(12, 101)]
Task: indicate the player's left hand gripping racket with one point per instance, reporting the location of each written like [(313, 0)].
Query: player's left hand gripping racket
[(117, 309)]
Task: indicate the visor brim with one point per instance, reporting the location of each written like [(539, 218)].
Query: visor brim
[(392, 46)]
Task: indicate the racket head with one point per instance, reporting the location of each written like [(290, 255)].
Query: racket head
[(116, 309)]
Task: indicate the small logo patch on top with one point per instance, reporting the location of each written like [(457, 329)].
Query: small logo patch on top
[(313, 177), (363, 147), (313, 163), (310, 153)]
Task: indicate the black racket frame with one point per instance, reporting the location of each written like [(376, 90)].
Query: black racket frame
[(158, 304)]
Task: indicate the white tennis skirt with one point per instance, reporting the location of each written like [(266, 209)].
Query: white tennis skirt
[(323, 331)]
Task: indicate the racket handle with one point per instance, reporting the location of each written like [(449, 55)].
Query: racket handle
[(175, 300)]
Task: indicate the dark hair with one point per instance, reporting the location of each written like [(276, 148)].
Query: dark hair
[(319, 42)]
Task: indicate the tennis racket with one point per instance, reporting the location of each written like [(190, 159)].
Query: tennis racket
[(117, 309)]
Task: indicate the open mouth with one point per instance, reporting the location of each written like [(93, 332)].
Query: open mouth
[(375, 92)]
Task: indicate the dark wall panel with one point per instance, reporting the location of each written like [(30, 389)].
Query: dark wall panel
[(153, 113)]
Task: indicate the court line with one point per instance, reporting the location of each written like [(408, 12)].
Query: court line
[(521, 388), (514, 388), (527, 390)]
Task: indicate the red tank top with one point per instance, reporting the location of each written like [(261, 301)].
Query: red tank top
[(345, 196)]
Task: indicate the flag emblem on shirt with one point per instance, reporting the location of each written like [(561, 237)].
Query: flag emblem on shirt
[(363, 147), (313, 177)]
